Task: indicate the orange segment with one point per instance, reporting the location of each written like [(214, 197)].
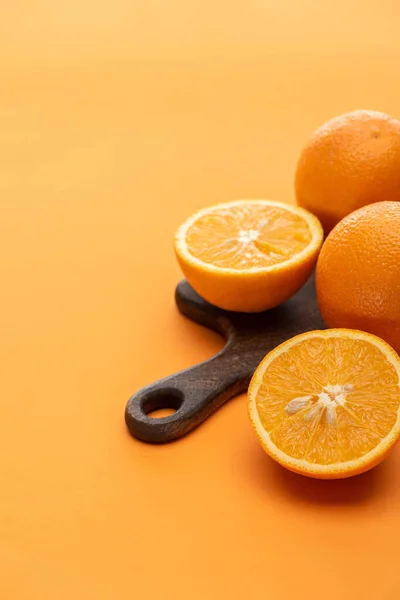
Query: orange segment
[(327, 403), (248, 255), (247, 235)]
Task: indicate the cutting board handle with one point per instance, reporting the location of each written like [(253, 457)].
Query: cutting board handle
[(194, 394), (197, 392)]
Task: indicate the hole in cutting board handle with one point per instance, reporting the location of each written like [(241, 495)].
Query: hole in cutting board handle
[(156, 404), (160, 413)]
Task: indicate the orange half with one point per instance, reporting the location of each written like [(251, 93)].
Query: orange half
[(326, 403), (248, 255)]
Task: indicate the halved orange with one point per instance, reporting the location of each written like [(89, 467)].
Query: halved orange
[(248, 255), (327, 403)]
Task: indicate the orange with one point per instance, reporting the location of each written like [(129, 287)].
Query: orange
[(351, 161), (358, 272), (248, 255), (326, 403)]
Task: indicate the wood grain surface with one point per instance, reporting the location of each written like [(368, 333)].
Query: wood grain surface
[(197, 392)]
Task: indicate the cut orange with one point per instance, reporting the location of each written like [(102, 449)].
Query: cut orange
[(326, 403), (248, 255)]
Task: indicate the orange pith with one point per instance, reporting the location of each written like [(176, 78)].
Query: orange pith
[(326, 403)]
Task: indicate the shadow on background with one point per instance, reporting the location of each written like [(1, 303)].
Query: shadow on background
[(274, 479)]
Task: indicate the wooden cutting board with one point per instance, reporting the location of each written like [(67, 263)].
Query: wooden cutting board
[(197, 392)]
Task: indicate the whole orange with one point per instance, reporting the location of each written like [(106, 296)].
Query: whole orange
[(358, 272), (351, 161)]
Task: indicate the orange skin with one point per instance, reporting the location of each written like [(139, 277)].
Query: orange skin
[(358, 273), (351, 161)]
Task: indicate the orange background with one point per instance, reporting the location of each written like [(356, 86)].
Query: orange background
[(119, 118)]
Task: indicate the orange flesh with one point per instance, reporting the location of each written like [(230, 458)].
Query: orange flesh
[(345, 422), (246, 236)]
